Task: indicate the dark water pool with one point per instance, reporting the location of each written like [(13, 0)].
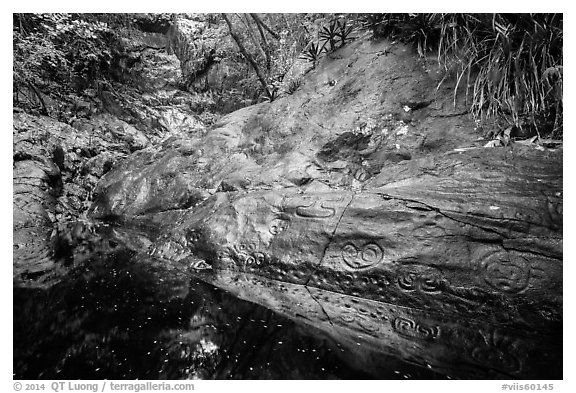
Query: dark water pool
[(119, 314), (121, 318)]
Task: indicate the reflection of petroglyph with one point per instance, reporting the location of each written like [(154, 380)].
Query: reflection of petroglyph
[(409, 328), (367, 256), (278, 225), (506, 272), (414, 279), (498, 352), (313, 206)]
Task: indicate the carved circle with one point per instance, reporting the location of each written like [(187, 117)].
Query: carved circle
[(506, 272), (260, 258), (367, 256), (249, 260), (278, 225)]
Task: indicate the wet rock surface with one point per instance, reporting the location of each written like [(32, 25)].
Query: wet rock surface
[(321, 132), (412, 248), (57, 165), (362, 210)]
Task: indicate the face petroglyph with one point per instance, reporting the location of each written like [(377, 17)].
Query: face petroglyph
[(363, 257), (506, 272), (278, 225)]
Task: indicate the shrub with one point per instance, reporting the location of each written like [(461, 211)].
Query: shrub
[(55, 54), (512, 64), (331, 37)]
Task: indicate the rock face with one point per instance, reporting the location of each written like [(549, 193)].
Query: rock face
[(341, 134), (457, 259), (365, 203), (55, 169), (57, 165)]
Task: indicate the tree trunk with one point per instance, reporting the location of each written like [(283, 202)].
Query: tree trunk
[(264, 45), (268, 29), (247, 55)]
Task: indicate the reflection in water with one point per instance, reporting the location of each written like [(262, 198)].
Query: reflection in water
[(121, 315), (125, 318)]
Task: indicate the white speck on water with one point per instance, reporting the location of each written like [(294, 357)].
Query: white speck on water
[(494, 208)]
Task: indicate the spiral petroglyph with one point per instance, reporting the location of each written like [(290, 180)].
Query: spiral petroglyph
[(421, 279), (409, 328)]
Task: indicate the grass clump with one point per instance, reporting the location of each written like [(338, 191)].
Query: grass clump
[(511, 64)]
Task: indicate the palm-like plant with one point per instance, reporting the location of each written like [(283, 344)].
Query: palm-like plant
[(312, 52)]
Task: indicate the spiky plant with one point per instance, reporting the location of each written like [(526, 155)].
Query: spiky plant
[(293, 86), (312, 52), (344, 32), (330, 33)]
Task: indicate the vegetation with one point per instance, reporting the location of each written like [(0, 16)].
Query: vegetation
[(331, 37), (57, 55), (511, 64)]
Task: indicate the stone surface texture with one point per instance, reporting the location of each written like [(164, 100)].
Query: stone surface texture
[(365, 190), (363, 204)]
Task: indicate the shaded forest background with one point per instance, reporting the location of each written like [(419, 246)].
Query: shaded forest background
[(509, 66)]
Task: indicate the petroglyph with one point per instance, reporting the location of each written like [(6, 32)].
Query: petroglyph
[(278, 225), (366, 256), (313, 206), (423, 279), (506, 272), (409, 328)]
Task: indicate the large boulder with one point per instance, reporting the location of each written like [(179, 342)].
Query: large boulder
[(365, 203), (369, 106)]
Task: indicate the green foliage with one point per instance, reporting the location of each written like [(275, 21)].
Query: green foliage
[(511, 64)]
